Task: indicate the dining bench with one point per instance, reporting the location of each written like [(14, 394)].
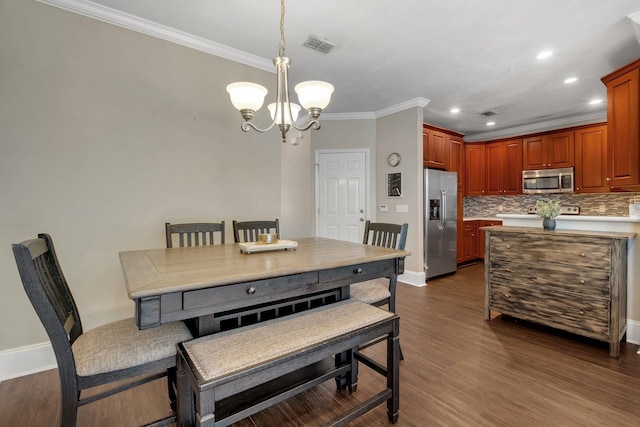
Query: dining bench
[(228, 376)]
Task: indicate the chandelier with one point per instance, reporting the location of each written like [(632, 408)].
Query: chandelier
[(248, 97)]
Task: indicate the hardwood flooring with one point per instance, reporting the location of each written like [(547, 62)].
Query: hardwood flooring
[(459, 370)]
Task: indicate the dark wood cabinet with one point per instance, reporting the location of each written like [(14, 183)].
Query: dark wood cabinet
[(591, 160), (435, 149), (548, 151), (470, 240), (503, 168), (474, 167), (456, 159), (623, 127), (481, 234)]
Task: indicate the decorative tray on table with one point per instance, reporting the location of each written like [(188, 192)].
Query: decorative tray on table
[(280, 245)]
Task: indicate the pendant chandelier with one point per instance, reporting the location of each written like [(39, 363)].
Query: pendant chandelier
[(313, 95)]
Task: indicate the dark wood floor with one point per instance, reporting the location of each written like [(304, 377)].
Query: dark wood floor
[(459, 370)]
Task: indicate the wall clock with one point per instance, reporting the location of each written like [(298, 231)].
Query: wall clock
[(393, 159)]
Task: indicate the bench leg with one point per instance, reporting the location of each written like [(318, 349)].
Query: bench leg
[(341, 380), (352, 376), (393, 373), (185, 415)]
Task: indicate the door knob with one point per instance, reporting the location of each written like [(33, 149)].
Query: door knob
[(361, 219), (361, 210)]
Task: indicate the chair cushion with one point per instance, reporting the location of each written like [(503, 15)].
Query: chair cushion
[(121, 345), (370, 291)]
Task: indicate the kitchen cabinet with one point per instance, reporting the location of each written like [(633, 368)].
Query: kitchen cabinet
[(503, 168), (623, 127), (470, 240), (481, 234), (435, 148), (575, 281), (456, 159), (474, 167), (548, 151), (591, 160)]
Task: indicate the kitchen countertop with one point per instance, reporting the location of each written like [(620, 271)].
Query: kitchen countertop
[(480, 218), (573, 218)]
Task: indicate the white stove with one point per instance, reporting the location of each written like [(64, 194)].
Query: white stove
[(564, 210)]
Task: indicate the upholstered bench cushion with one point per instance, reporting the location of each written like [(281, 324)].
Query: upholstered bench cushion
[(121, 345), (218, 355), (371, 291)]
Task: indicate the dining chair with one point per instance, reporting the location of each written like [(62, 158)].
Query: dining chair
[(248, 231), (114, 352), (376, 292), (194, 234)]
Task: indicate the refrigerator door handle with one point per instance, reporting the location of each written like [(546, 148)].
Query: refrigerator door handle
[(443, 210)]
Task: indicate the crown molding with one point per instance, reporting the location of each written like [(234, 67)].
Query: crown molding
[(585, 119), (411, 103), (635, 22), (134, 23)]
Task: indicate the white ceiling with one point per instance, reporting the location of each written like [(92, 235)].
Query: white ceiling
[(475, 55)]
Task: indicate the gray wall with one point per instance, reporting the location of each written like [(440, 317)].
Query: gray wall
[(105, 134)]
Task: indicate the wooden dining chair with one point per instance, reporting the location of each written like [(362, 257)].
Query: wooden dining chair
[(248, 231), (194, 234), (117, 351), (376, 292)]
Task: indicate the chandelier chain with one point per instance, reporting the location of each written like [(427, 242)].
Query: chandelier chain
[(282, 42)]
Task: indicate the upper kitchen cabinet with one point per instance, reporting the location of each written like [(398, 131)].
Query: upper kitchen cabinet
[(623, 128), (474, 168), (549, 151), (591, 160), (456, 158), (503, 167), (435, 148)]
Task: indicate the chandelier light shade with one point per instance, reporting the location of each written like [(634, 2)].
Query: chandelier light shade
[(248, 97)]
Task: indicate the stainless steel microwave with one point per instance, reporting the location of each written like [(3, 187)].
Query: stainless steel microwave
[(546, 181)]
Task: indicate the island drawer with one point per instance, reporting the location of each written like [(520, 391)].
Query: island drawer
[(556, 250), (584, 316), (586, 281)]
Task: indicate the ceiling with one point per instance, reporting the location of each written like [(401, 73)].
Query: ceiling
[(477, 56)]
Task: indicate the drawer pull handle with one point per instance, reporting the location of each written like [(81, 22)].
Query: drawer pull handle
[(581, 313), (507, 296), (508, 270), (582, 254), (508, 246), (251, 290), (358, 270), (582, 281)]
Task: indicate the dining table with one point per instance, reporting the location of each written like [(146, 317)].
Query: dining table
[(218, 287)]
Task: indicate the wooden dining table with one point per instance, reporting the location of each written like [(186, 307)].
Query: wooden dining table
[(219, 286)]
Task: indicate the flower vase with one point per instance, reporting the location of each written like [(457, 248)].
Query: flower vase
[(549, 224)]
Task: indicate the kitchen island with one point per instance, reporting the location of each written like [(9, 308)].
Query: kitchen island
[(571, 280), (622, 224)]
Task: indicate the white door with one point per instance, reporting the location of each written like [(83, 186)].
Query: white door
[(341, 194)]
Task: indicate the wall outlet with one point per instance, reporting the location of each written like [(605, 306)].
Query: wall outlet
[(602, 208), (402, 208), (384, 208)]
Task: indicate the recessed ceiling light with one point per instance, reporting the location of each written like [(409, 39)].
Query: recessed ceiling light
[(544, 54), (491, 123), (455, 110), (571, 80), (595, 101)]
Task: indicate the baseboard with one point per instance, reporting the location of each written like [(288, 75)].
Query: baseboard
[(17, 362), (413, 278), (633, 331)]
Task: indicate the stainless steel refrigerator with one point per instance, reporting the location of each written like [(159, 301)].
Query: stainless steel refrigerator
[(440, 222)]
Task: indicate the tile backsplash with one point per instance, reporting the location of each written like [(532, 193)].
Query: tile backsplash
[(613, 204)]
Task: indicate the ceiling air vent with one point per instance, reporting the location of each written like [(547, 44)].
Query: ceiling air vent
[(321, 45), (488, 113)]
